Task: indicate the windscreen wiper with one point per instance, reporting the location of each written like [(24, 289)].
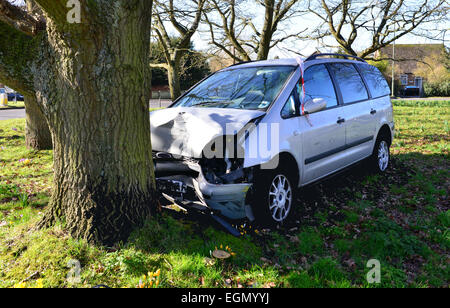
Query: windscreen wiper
[(210, 103)]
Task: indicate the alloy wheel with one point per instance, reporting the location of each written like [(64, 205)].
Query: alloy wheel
[(280, 198), (383, 156)]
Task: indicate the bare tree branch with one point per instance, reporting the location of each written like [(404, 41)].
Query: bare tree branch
[(386, 21), (15, 70), (231, 28), (19, 19)]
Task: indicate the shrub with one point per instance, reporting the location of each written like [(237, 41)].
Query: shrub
[(437, 88)]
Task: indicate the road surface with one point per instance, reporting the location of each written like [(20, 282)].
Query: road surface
[(8, 114), (164, 103)]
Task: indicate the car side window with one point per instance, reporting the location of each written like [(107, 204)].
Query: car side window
[(290, 109), (376, 82), (318, 84), (350, 82)]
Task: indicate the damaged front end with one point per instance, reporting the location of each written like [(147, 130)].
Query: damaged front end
[(218, 185), (199, 158)]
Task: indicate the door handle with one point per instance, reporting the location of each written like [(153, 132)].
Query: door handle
[(373, 112), (296, 133), (340, 121)]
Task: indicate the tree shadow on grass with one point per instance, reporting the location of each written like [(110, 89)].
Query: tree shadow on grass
[(332, 194), (13, 137), (186, 240), (14, 177)]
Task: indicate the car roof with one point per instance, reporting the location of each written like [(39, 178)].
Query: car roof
[(276, 62), (290, 62)]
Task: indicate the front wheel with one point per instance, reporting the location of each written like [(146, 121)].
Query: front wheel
[(381, 156), (273, 197)]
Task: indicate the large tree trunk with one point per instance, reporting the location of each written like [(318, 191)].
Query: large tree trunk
[(264, 49), (173, 71), (267, 32), (92, 82), (37, 133), (97, 103)]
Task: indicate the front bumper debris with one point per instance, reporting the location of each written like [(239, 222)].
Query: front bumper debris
[(183, 183)]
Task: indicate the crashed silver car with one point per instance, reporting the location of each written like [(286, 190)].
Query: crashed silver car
[(243, 140)]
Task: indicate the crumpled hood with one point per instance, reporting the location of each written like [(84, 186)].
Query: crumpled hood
[(186, 131)]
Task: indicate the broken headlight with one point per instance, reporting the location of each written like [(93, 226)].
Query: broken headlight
[(223, 161)]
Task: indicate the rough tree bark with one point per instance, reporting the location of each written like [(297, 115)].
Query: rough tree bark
[(37, 133), (92, 82), (174, 79)]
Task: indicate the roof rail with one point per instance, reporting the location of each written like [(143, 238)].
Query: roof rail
[(347, 57)]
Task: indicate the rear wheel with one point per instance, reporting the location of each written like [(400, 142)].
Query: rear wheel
[(273, 196), (381, 156)]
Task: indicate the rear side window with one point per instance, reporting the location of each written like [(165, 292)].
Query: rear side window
[(378, 85), (350, 82)]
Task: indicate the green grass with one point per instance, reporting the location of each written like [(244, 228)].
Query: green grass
[(421, 103), (401, 219), (13, 104)]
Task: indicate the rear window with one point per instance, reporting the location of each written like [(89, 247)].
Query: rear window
[(352, 86), (378, 85)]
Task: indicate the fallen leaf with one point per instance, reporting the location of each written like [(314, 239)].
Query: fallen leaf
[(269, 285), (294, 239), (221, 254), (210, 262)]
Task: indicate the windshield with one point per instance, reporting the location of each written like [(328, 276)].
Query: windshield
[(253, 88)]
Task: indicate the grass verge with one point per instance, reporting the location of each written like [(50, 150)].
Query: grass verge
[(401, 219), (13, 105)]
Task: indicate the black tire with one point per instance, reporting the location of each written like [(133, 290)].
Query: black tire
[(263, 200), (381, 157)]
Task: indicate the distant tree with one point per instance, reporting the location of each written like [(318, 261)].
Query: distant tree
[(351, 22), (193, 66), (219, 60), (184, 17), (382, 65), (447, 58), (233, 30), (37, 133), (434, 68)]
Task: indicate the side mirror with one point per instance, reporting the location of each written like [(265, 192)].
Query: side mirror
[(315, 105)]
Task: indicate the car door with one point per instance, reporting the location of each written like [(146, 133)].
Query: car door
[(290, 136), (379, 91), (360, 125), (323, 133)]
